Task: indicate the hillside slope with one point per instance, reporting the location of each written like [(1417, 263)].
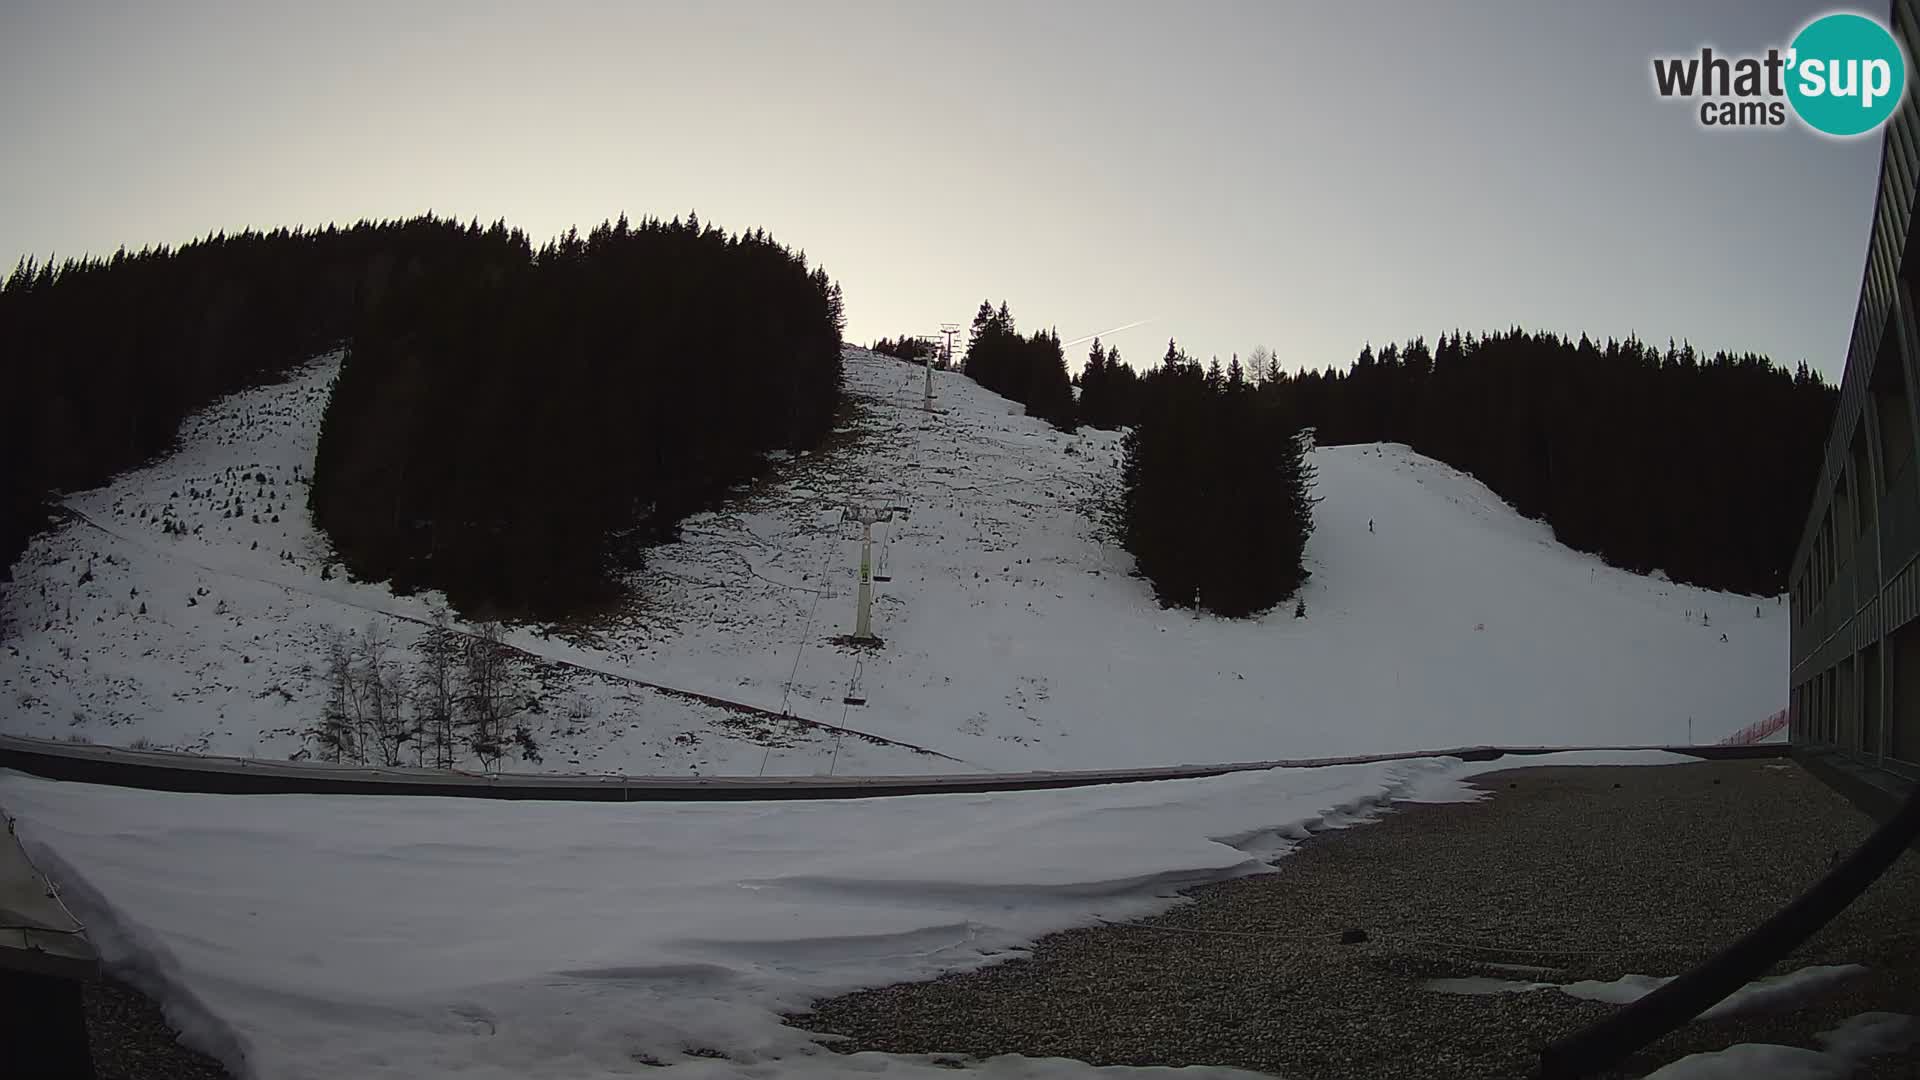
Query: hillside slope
[(1014, 637)]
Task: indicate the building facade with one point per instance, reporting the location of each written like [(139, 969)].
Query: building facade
[(1855, 583)]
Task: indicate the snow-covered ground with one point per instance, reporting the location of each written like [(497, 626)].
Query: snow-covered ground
[(303, 936), (188, 605), (1014, 637)]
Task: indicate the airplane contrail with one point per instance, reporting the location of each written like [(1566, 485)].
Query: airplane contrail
[(1104, 333)]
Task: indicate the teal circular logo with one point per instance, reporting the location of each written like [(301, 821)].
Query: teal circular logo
[(1845, 74)]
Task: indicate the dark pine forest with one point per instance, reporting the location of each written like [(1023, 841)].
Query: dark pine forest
[(1701, 466), (515, 426), (516, 433), (1216, 496), (1030, 370), (103, 357), (509, 425)]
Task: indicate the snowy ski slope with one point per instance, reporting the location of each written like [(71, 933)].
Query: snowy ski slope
[(1014, 637)]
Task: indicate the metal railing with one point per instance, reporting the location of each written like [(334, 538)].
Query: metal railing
[(1757, 732)]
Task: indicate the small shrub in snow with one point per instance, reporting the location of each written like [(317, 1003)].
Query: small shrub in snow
[(523, 739)]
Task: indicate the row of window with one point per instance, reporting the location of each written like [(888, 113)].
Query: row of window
[(1850, 510), (1851, 516), (1868, 703), (1843, 705), (1816, 706)]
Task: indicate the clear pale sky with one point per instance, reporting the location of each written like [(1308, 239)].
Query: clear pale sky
[(1306, 176)]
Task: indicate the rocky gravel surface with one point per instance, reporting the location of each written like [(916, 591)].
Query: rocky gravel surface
[(131, 1040), (1561, 874)]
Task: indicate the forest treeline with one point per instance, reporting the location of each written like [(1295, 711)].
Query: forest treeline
[(1030, 370), (671, 356), (103, 357), (1110, 390), (1702, 466), (910, 348), (1215, 502), (1216, 498), (517, 433)]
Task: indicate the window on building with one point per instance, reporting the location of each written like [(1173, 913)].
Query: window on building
[(1866, 506), (1893, 417)]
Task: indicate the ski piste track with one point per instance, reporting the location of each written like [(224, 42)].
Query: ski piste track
[(395, 612), (158, 770)]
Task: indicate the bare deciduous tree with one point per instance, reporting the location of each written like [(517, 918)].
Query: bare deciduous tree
[(336, 734), (434, 699), (465, 690), (382, 723), (487, 693), (1258, 363)]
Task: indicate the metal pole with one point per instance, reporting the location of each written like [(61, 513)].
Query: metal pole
[(863, 624), (866, 516)]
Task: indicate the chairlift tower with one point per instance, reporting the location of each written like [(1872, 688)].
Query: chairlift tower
[(867, 516), (947, 330)]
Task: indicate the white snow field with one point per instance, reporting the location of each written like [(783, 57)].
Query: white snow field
[(1014, 637), (297, 936)]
